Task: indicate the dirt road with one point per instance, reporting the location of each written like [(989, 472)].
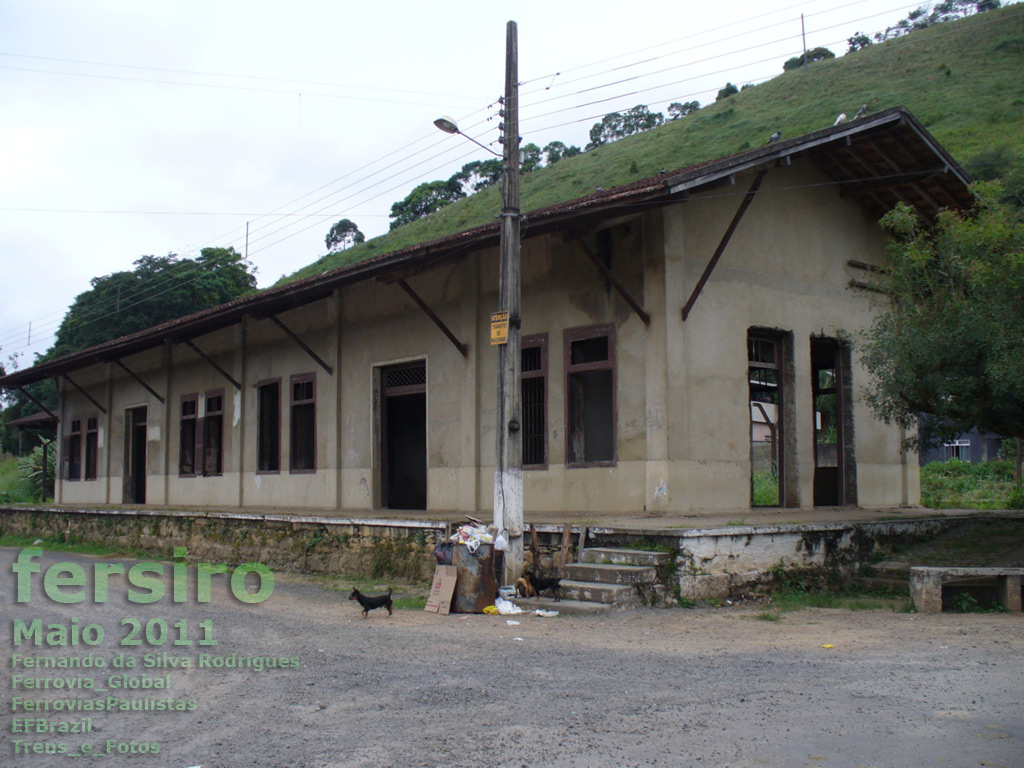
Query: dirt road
[(643, 688)]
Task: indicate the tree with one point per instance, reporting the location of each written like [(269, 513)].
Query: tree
[(617, 125), (947, 345), (557, 151), (160, 288), (858, 42), (425, 199), (677, 109), (813, 55), (344, 233), (477, 175), (531, 159), (726, 92)]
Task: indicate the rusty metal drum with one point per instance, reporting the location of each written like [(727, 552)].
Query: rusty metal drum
[(476, 587)]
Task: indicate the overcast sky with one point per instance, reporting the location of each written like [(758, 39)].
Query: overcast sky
[(165, 126)]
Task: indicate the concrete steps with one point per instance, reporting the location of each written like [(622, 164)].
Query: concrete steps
[(564, 607), (609, 574), (613, 577), (595, 592), (632, 557)]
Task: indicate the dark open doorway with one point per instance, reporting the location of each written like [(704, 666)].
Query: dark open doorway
[(404, 436), (834, 482), (135, 455)]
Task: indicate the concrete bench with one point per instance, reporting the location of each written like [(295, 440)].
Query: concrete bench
[(926, 585)]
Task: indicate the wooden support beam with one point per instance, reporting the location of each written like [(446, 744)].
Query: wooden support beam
[(213, 363), (865, 286), (138, 378), (863, 265), (28, 394), (85, 394), (437, 321), (302, 345), (747, 200), (535, 549), (615, 283), (566, 543)]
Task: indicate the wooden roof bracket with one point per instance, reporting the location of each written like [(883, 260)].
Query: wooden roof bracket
[(28, 394), (85, 394), (615, 283), (212, 363), (437, 320), (747, 200), (302, 345), (138, 378)]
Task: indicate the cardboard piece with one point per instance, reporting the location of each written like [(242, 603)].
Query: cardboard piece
[(442, 590)]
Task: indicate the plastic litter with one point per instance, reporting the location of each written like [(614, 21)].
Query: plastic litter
[(545, 614), (491, 610), (511, 622), (472, 536), (507, 607), (501, 543)]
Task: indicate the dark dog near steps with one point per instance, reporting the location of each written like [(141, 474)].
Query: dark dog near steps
[(369, 602), (542, 584)]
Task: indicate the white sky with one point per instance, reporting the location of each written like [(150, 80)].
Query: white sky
[(132, 127)]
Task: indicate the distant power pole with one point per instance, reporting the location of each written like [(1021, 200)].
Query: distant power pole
[(803, 34)]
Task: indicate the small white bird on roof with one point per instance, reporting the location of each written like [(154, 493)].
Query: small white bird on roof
[(840, 119), (775, 137)]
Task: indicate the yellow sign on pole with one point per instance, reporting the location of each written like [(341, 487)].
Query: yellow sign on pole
[(499, 328)]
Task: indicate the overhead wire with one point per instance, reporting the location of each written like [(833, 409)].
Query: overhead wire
[(298, 217)]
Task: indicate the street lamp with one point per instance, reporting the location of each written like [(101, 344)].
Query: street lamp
[(448, 125), (508, 469)]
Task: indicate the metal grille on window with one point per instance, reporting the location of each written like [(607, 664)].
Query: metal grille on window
[(302, 391), (533, 421), (406, 377), (531, 359)]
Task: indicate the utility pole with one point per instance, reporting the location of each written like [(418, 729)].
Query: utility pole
[(508, 471), (803, 34)]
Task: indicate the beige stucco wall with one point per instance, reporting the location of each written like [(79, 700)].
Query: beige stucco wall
[(682, 405)]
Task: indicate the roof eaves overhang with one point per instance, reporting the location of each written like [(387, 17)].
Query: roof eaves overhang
[(929, 158)]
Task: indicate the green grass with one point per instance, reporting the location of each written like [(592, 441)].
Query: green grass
[(70, 544), (976, 543), (766, 489), (961, 79), (962, 485), (14, 489), (850, 599)]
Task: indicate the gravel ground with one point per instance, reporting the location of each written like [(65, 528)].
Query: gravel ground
[(651, 687)]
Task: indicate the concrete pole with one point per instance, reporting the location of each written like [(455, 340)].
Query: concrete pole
[(508, 471)]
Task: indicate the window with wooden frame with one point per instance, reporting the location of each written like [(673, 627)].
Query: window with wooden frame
[(268, 426), (73, 452), (213, 433), (302, 452), (590, 396), (535, 401), (92, 446), (187, 435)]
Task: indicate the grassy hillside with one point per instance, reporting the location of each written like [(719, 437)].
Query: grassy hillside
[(962, 79)]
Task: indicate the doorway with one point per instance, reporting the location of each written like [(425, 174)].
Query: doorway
[(404, 436), (767, 426), (833, 452), (135, 455)]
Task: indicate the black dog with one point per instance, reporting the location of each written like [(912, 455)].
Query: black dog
[(369, 603), (542, 584)]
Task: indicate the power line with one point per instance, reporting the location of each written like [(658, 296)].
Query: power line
[(296, 217)]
